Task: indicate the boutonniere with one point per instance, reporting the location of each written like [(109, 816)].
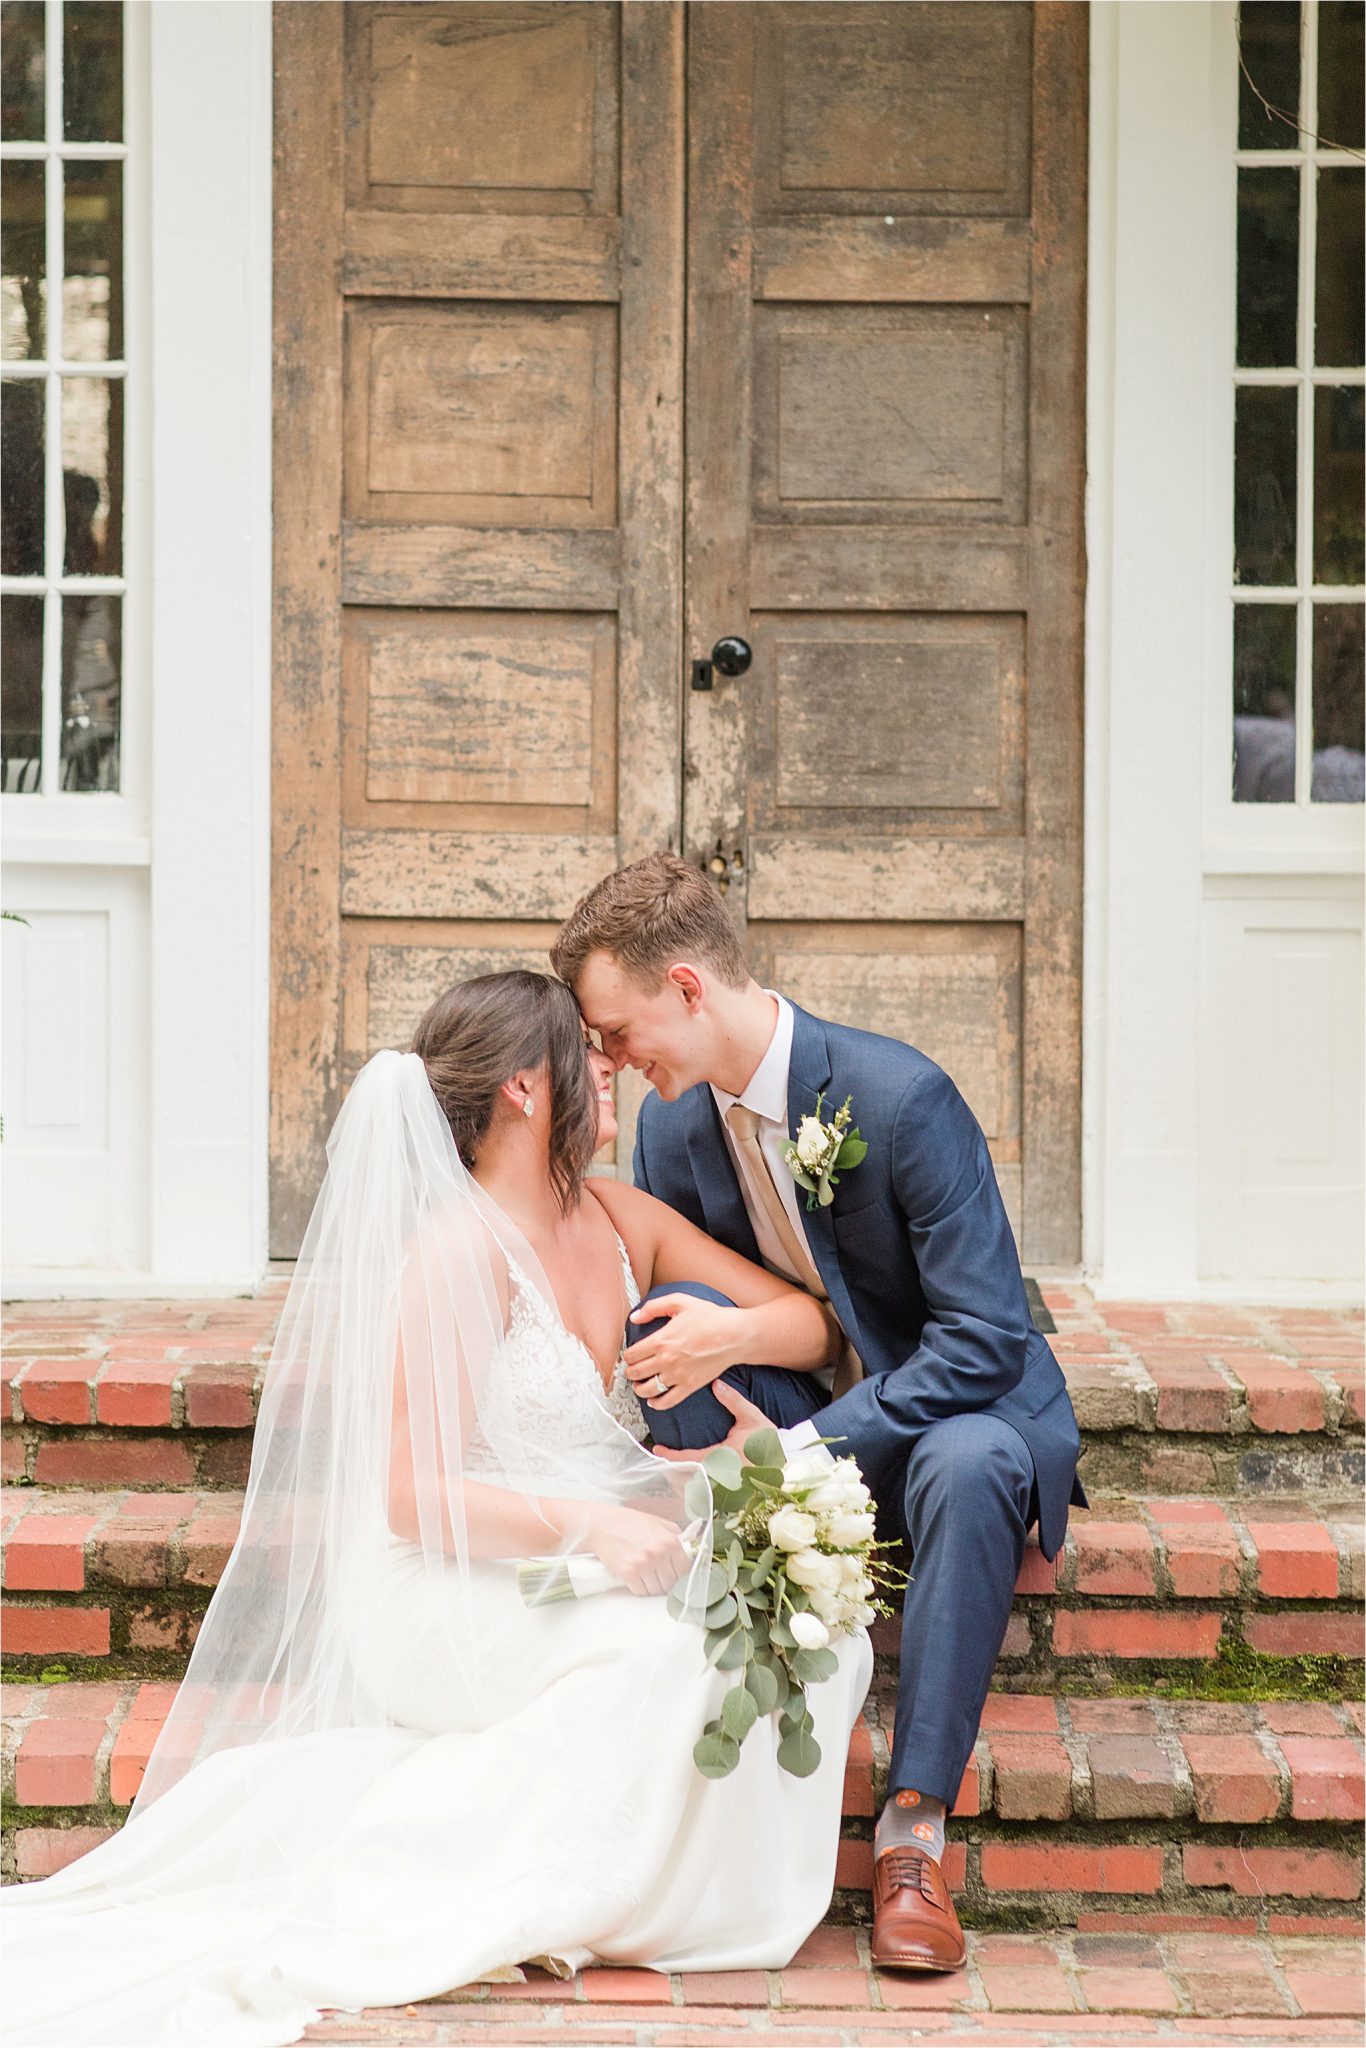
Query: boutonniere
[(820, 1152)]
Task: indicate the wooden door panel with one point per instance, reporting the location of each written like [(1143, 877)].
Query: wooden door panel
[(889, 413), (884, 495), (879, 109), (480, 266)]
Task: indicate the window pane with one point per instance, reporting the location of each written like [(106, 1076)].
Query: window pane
[(21, 477), (1264, 486), (1340, 289), (23, 284), (1269, 37), (92, 465), (1268, 253), (1339, 735), (1341, 88), (1264, 703), (21, 70), (92, 294), (1339, 484), (21, 693), (91, 666), (92, 71)]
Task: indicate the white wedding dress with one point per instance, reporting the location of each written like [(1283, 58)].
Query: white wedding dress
[(539, 1802)]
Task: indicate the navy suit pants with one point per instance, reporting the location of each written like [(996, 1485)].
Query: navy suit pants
[(962, 1510)]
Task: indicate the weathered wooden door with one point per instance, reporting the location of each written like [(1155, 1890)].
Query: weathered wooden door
[(496, 227), (886, 222)]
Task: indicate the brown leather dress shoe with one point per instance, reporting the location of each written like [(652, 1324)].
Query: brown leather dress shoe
[(914, 1924)]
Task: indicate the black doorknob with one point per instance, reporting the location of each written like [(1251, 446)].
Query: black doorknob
[(732, 655)]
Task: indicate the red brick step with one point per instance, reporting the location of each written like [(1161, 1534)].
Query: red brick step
[(1141, 1582), (1070, 1807)]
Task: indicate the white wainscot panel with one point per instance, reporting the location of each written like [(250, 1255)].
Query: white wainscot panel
[(1281, 1123), (71, 1083)]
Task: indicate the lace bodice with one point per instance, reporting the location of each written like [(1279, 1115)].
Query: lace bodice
[(544, 1403)]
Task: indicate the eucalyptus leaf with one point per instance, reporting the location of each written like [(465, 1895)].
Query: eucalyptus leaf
[(762, 1687), (764, 1448), (780, 1633), (739, 1713), (717, 1755), (799, 1753), (723, 1613), (735, 1653), (718, 1584), (722, 1467), (697, 1497), (718, 1641), (811, 1666), (852, 1152), (764, 1563)]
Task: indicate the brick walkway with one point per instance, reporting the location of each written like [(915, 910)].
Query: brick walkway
[(1033, 1989)]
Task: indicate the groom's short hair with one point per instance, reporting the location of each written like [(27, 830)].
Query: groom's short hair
[(659, 910)]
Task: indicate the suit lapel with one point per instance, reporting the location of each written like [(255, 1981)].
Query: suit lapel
[(809, 1074), (714, 1175)]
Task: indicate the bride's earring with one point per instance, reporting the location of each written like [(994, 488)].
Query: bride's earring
[(528, 1107)]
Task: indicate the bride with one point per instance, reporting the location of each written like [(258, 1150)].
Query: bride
[(386, 1774)]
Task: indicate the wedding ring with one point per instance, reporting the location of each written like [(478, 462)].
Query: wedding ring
[(661, 1386)]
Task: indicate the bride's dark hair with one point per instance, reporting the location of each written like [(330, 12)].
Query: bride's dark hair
[(482, 1032)]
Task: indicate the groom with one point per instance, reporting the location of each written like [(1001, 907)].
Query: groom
[(947, 1396)]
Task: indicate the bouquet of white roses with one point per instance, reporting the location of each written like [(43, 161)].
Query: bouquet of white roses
[(795, 1562)]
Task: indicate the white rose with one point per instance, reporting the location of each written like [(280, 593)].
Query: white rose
[(811, 1143), (848, 1532), (809, 1633), (831, 1607), (807, 1468), (830, 1495), (809, 1568), (852, 1575), (790, 1529), (863, 1617)]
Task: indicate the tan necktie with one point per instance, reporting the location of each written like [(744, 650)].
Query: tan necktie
[(744, 1128)]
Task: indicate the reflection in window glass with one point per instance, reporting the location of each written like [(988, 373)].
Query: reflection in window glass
[(91, 662), (21, 695), (1268, 258), (1339, 484), (92, 443), (1339, 699), (1264, 485), (92, 71), (23, 286), (1264, 704), (1269, 39), (22, 71), (92, 294), (1342, 90), (1340, 270), (21, 477)]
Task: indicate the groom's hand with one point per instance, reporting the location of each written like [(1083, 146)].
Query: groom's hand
[(748, 1418), (699, 1340)]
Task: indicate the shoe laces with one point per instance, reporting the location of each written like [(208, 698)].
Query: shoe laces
[(909, 1870)]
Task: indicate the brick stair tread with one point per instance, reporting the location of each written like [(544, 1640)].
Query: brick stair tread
[(1037, 1757), (1190, 1369), (1123, 1547)]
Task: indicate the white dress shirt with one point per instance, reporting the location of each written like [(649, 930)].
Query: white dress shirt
[(766, 1094)]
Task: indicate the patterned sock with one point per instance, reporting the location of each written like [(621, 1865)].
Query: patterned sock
[(912, 1820)]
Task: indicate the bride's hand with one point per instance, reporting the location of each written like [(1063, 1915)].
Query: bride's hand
[(643, 1552), (700, 1339)]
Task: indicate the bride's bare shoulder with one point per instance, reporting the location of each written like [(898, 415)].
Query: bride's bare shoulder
[(633, 1213)]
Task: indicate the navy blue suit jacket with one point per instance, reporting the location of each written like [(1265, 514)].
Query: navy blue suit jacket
[(915, 1253)]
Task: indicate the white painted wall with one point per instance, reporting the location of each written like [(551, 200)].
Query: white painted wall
[(1222, 1121), (145, 976)]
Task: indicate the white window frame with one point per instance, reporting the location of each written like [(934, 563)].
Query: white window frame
[(52, 824), (1288, 838)]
